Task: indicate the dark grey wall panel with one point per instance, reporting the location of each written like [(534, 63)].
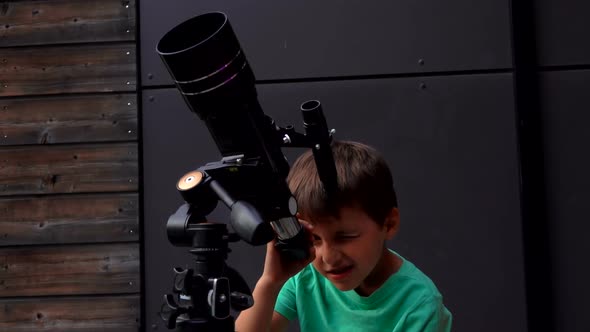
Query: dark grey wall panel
[(302, 39), (562, 32), (451, 143), (565, 104)]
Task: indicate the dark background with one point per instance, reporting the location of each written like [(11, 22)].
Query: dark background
[(478, 107)]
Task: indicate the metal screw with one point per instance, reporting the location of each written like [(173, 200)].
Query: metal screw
[(150, 76), (286, 139), (317, 146), (128, 53), (128, 83), (222, 298), (131, 283), (128, 131), (422, 86), (130, 231), (332, 132), (421, 62), (151, 98), (129, 104)]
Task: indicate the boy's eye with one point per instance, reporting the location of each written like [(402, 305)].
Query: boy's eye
[(348, 237)]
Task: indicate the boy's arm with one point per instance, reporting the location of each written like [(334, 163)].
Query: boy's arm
[(261, 317), (279, 323)]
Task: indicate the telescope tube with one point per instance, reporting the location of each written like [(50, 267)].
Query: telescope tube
[(210, 70)]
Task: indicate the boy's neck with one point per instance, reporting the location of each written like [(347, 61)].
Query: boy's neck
[(389, 264)]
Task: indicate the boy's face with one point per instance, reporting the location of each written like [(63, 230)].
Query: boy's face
[(349, 250)]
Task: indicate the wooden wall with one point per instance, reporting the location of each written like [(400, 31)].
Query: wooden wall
[(69, 214)]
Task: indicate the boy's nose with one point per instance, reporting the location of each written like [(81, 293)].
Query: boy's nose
[(331, 257)]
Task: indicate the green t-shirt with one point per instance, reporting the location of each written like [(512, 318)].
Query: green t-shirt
[(407, 302)]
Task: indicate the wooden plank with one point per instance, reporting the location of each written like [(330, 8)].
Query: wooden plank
[(100, 314), (85, 118), (69, 219), (66, 21), (67, 69), (69, 270), (68, 169)]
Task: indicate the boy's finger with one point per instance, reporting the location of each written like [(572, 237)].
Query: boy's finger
[(305, 223)]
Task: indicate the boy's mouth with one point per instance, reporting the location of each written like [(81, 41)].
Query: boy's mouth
[(339, 273)]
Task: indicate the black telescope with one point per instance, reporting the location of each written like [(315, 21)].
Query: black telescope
[(211, 71)]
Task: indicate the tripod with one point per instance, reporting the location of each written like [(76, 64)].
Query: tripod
[(202, 297)]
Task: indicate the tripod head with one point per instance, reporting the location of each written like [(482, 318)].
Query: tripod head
[(210, 70)]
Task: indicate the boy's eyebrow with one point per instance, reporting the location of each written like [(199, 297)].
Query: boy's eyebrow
[(346, 232), (339, 232)]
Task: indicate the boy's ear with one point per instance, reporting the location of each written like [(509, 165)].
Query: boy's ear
[(391, 224)]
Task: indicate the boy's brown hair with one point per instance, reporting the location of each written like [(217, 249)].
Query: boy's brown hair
[(364, 181)]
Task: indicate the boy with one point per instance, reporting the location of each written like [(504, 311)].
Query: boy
[(354, 282)]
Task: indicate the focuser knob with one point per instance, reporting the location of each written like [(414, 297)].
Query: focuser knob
[(194, 189), (188, 186), (190, 180)]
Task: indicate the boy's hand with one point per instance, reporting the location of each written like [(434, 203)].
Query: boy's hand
[(277, 268)]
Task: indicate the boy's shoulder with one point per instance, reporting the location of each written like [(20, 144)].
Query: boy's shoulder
[(409, 278)]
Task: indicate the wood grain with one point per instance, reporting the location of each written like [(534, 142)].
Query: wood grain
[(88, 314), (68, 169), (69, 219), (69, 270), (77, 118), (67, 69), (66, 21)]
